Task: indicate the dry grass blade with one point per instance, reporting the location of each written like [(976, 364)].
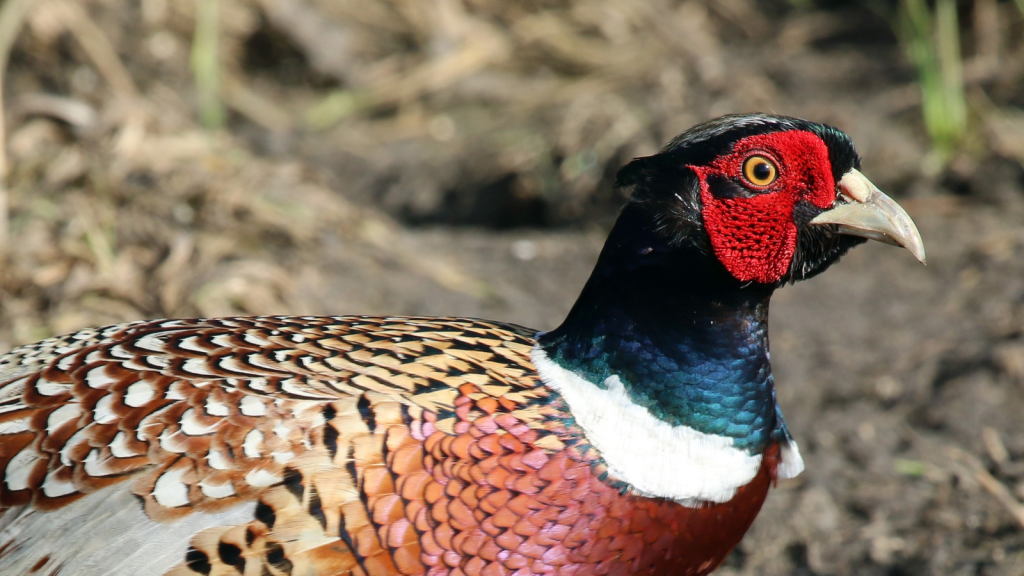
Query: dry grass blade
[(994, 446), (97, 46), (990, 483), (104, 57), (970, 469), (74, 112), (254, 106), (12, 17)]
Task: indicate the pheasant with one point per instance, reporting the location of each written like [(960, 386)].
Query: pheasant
[(640, 436)]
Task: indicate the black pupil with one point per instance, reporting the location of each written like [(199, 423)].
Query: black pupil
[(762, 171)]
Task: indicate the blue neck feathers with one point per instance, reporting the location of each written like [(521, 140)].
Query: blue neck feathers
[(688, 341)]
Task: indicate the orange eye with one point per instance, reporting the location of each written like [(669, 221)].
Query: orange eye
[(760, 171)]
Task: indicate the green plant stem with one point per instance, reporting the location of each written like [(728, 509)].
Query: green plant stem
[(932, 42), (206, 64), (947, 41)]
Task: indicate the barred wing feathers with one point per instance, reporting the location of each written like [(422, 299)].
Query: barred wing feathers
[(273, 444)]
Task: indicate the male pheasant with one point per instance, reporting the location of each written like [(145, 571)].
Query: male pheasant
[(639, 437)]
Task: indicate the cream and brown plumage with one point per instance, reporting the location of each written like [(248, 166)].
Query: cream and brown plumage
[(353, 435), (640, 437)]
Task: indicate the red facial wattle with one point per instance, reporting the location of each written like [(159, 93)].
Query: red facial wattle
[(755, 236)]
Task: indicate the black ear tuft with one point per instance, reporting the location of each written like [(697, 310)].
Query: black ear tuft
[(633, 173)]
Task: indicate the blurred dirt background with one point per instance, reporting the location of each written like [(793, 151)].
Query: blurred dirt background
[(455, 157)]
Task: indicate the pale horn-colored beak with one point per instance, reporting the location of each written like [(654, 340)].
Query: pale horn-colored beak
[(871, 214)]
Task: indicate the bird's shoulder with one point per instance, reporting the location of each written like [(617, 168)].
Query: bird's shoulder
[(201, 413)]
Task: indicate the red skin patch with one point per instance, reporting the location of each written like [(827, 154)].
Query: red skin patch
[(755, 238)]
